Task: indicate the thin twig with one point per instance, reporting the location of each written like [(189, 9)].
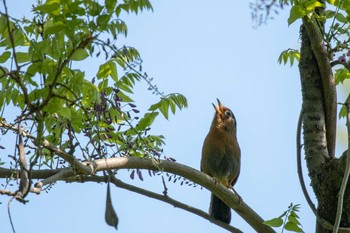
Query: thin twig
[(299, 166), (9, 214), (76, 164), (64, 173)]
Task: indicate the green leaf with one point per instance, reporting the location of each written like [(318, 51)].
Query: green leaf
[(22, 57), (51, 6), (341, 75), (18, 37), (104, 71), (331, 2), (329, 14), (103, 84), (342, 112), (146, 121), (3, 71), (114, 72), (293, 218), (79, 55), (53, 27), (341, 18), (164, 108), (102, 20), (65, 112), (110, 5), (275, 222), (124, 97), (292, 227), (296, 12), (155, 106), (311, 5), (289, 54), (5, 56)]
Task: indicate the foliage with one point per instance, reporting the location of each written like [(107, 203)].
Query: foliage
[(301, 8), (336, 35), (289, 54), (42, 77), (288, 220)]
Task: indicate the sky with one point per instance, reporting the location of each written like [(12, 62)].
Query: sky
[(203, 50)]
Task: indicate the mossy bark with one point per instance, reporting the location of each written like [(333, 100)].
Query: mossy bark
[(326, 173)]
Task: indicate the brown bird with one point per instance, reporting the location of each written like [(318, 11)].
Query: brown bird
[(221, 157)]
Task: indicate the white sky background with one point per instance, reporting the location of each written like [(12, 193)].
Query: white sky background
[(204, 51)]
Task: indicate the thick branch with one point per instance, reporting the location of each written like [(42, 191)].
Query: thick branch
[(299, 166), (189, 173), (328, 81), (314, 123)]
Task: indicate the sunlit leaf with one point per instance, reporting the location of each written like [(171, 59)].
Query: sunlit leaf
[(292, 227), (5, 56), (275, 222), (341, 75), (52, 27), (22, 57), (79, 55), (296, 12)]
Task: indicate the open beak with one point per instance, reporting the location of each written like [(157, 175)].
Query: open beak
[(219, 108)]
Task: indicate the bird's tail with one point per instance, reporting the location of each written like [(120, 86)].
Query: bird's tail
[(219, 210)]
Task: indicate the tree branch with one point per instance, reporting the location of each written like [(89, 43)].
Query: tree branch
[(299, 166), (76, 164), (24, 180), (252, 218), (328, 81), (164, 198)]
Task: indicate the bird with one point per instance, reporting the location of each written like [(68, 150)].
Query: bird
[(221, 158)]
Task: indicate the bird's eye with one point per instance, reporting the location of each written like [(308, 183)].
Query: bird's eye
[(228, 113)]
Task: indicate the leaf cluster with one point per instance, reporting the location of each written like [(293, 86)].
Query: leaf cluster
[(288, 220), (42, 77)]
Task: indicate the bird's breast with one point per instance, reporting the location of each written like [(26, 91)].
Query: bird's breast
[(221, 157)]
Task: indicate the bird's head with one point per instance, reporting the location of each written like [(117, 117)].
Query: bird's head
[(224, 117)]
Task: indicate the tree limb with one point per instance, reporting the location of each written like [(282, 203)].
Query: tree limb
[(76, 164), (189, 173), (164, 198), (299, 166), (328, 81), (24, 180)]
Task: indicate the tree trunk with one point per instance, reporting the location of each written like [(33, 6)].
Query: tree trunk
[(325, 172)]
